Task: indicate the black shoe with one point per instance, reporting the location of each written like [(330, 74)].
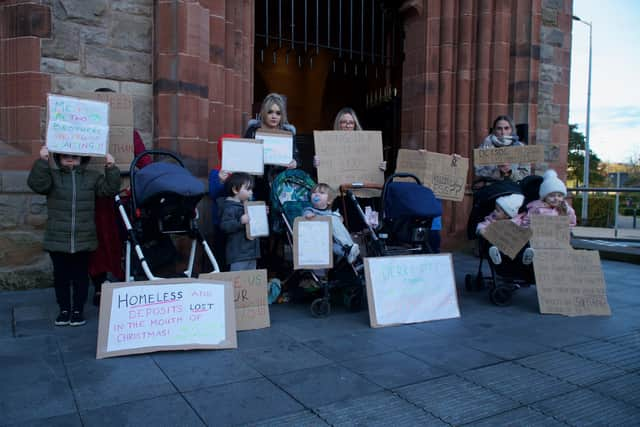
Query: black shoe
[(77, 319), (63, 318)]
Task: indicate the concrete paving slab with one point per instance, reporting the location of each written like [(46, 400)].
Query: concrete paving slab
[(505, 347), (393, 370), (108, 382), (588, 408), (625, 388), (348, 346), (521, 417), (518, 382), (242, 402), (298, 419), (171, 410), (571, 368), (273, 336), (309, 328), (379, 409), (451, 357), (632, 339), (456, 400), (280, 360), (67, 420), (192, 370), (317, 387), (399, 337), (626, 358)]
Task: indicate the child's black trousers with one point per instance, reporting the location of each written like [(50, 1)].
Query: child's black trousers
[(71, 270)]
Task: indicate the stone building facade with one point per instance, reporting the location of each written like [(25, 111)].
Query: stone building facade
[(189, 65)]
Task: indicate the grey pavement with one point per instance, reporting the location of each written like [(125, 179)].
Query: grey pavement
[(493, 366)]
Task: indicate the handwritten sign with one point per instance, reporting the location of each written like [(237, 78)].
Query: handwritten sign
[(250, 295), (77, 126), (570, 282), (278, 146), (410, 289), (550, 232), (508, 236), (502, 155), (312, 243), (258, 225), (347, 157), (120, 127), (445, 175), (168, 314), (242, 155)]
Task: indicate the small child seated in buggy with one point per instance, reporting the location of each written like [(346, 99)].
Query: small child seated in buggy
[(321, 198)]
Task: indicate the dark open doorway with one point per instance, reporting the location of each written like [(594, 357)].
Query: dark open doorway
[(324, 55)]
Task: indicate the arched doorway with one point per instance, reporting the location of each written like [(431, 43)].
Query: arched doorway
[(327, 54)]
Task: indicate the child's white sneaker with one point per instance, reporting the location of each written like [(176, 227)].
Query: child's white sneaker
[(527, 256), (494, 254), (354, 251)]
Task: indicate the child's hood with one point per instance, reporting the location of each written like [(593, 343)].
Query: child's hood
[(84, 161)]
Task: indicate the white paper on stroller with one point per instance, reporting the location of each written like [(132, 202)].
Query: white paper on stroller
[(167, 314), (278, 146), (258, 225), (77, 126), (242, 155), (410, 289), (312, 243)]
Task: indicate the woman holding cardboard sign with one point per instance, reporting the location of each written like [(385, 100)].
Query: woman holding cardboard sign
[(503, 135)]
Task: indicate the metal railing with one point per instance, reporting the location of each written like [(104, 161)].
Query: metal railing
[(617, 190)]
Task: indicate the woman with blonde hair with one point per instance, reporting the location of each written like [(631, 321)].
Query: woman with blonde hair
[(346, 119)]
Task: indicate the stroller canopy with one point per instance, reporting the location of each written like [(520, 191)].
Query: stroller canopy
[(162, 177), (410, 200)]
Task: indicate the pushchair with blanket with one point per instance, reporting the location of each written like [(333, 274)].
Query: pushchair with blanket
[(512, 273), (163, 201), (408, 210), (290, 194)]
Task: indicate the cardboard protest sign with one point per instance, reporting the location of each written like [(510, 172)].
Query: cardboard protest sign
[(120, 127), (77, 126), (312, 243), (242, 155), (507, 236), (445, 175), (550, 232), (513, 154), (258, 225), (167, 314), (278, 146), (347, 157), (250, 295), (570, 282), (410, 289)]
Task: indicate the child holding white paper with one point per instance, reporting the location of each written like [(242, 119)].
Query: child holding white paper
[(343, 245), (240, 252), (70, 235)]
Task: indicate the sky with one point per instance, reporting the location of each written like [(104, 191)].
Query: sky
[(615, 75)]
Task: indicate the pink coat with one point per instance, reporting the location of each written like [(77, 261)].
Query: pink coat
[(538, 207), (491, 218)]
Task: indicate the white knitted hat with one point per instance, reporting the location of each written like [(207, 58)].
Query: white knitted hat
[(551, 184), (510, 204)]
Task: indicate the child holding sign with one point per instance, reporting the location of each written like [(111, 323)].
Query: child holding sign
[(240, 252), (343, 245), (70, 234)]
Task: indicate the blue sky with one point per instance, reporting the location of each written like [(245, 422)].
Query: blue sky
[(615, 86)]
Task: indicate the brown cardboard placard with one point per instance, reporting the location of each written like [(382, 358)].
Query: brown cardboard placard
[(166, 314), (348, 157), (258, 225), (250, 289), (550, 232), (507, 236), (444, 174), (410, 289), (570, 282), (242, 155), (312, 243), (278, 146), (512, 154)]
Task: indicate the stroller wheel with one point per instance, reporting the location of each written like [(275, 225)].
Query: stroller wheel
[(320, 307), (500, 296), (353, 300)]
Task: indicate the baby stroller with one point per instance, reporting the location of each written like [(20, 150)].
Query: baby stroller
[(512, 274), (408, 210), (290, 194), (163, 201)]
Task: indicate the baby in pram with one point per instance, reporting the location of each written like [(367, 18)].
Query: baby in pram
[(321, 198)]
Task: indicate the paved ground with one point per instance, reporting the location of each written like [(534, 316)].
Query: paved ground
[(493, 366)]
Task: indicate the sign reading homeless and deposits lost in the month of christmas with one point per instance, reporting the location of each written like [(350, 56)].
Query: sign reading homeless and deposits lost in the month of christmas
[(168, 314)]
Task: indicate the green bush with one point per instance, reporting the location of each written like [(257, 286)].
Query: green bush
[(601, 208)]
